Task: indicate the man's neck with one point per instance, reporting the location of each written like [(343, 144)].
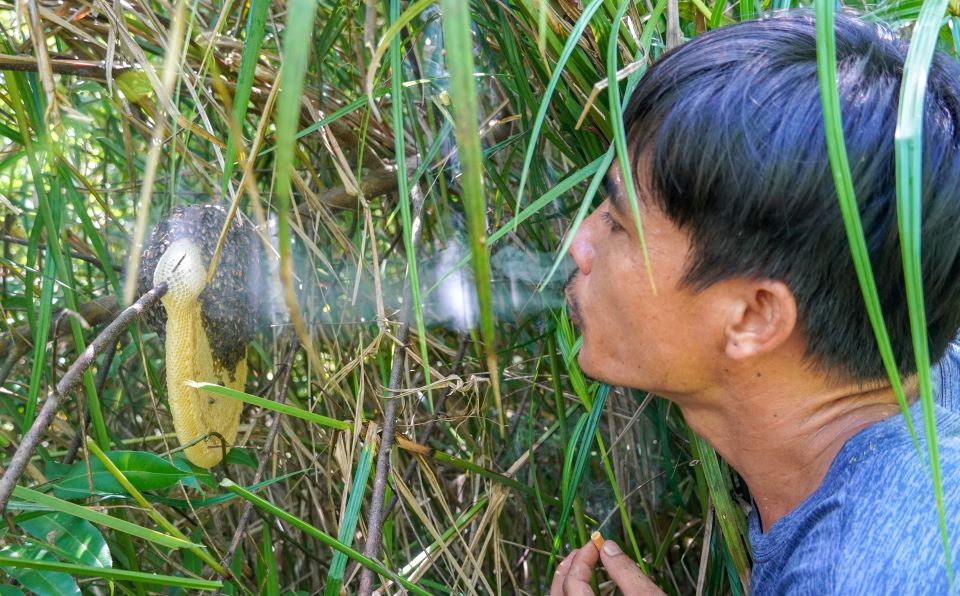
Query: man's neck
[(782, 434)]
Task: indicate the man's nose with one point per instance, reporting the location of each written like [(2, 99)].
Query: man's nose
[(581, 249)]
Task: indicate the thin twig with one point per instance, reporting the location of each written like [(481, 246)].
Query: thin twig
[(76, 254), (85, 415), (429, 427), (103, 341), (375, 517), (421, 440), (376, 514), (267, 451), (94, 313)]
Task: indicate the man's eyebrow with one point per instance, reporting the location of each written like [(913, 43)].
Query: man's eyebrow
[(613, 194)]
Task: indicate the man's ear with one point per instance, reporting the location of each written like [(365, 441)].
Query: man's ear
[(763, 317)]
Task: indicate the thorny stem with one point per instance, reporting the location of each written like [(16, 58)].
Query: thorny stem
[(73, 375), (265, 455)]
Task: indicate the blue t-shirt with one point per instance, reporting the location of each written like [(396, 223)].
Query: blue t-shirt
[(871, 527)]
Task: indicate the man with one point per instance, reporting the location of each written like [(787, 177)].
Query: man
[(756, 327)]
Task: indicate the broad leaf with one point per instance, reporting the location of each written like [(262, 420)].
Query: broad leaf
[(76, 538), (146, 471)]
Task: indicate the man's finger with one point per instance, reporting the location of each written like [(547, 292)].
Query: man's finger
[(625, 573), (556, 587), (577, 580)]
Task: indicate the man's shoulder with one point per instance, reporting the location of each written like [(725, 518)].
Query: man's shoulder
[(890, 527), (872, 526)]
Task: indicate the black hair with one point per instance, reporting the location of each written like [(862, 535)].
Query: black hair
[(728, 130)]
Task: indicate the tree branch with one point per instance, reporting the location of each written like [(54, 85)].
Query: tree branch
[(375, 516), (73, 375), (94, 312), (88, 69)]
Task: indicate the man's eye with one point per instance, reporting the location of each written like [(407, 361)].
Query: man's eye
[(614, 226)]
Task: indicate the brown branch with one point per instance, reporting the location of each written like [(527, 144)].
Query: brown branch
[(73, 375), (87, 69), (73, 253), (372, 185), (94, 312), (376, 514)]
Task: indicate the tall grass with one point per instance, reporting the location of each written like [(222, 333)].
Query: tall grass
[(376, 136)]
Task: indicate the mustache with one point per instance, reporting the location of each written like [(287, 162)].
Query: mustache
[(570, 280), (572, 303)]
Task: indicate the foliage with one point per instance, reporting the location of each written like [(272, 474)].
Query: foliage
[(381, 171)]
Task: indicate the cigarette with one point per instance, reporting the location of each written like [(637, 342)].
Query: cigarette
[(597, 540)]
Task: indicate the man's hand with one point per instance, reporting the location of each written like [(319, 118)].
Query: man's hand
[(573, 573)]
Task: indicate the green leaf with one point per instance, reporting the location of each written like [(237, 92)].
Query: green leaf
[(272, 405), (43, 583), (241, 456), (256, 22), (74, 537), (458, 37), (10, 591), (49, 568), (348, 524), (146, 471), (102, 519)]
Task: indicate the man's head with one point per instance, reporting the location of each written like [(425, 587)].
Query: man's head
[(727, 147)]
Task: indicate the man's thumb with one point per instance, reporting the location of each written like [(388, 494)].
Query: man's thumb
[(625, 573)]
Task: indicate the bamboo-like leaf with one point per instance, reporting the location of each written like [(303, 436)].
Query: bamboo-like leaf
[(112, 574), (403, 188), (843, 180), (458, 39), (908, 143), (908, 140), (538, 120), (620, 137), (576, 459), (728, 515), (349, 522), (253, 39), (102, 519), (268, 404)]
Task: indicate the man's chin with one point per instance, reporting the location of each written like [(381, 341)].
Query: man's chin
[(590, 368)]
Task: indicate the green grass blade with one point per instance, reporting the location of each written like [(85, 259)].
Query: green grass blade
[(458, 39), (575, 462), (102, 519), (403, 189), (727, 512), (908, 143), (253, 39), (269, 404), (348, 524), (268, 584), (538, 120), (843, 180), (40, 336), (112, 574), (620, 136)]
